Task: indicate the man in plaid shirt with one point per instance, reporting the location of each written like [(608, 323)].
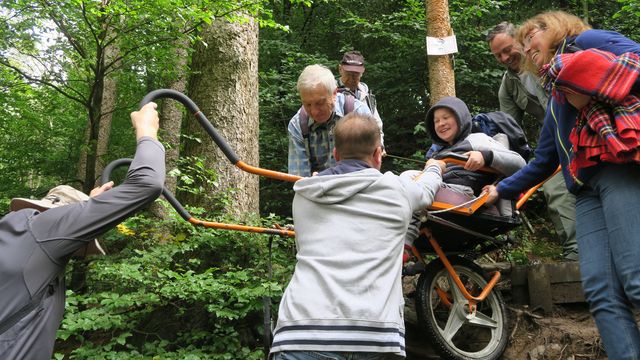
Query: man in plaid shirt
[(324, 106)]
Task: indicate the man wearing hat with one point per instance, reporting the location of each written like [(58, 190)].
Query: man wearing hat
[(311, 128), (38, 237), (351, 68)]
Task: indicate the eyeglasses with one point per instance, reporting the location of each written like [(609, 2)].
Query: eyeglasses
[(530, 36)]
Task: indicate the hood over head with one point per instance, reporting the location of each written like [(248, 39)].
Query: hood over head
[(463, 116)]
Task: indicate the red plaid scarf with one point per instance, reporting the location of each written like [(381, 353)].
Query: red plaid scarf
[(608, 127)]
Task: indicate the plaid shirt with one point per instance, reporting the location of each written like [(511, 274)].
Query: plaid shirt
[(608, 127), (320, 140)]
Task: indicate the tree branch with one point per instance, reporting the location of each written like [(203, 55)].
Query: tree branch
[(57, 88)]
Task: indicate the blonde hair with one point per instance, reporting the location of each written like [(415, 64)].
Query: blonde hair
[(557, 25)]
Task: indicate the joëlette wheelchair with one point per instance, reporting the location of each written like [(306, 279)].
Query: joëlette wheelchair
[(455, 300), (456, 303)]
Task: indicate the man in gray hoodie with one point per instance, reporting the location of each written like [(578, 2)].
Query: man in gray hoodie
[(345, 295)]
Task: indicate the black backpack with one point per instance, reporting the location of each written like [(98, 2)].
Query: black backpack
[(496, 122)]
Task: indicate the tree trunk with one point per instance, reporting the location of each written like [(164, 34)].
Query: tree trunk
[(82, 161), (441, 77), (224, 85), (585, 11), (89, 155), (171, 121), (109, 97)]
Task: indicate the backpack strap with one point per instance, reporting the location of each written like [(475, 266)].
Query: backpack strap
[(349, 103), (303, 118), (14, 318)]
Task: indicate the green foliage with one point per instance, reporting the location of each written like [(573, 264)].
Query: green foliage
[(39, 138), (172, 291), (194, 294)]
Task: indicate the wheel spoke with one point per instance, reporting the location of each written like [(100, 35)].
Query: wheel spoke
[(483, 320), (456, 294), (445, 311), (455, 321)]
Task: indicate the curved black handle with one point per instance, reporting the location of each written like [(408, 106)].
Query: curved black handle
[(106, 173), (206, 124), (451, 155)]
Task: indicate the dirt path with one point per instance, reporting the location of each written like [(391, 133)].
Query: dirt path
[(569, 333)]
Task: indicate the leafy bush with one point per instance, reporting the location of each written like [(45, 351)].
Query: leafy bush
[(196, 293)]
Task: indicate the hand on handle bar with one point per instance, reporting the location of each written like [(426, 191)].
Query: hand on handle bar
[(147, 121), (465, 159)]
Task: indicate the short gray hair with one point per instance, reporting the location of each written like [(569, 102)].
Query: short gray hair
[(314, 75), (504, 27)]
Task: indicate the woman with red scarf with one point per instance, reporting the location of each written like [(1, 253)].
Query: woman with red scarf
[(591, 129)]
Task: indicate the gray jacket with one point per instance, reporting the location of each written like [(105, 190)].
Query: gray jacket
[(496, 155), (522, 93), (35, 247), (346, 293)]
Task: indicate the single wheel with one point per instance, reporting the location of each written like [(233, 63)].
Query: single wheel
[(444, 313)]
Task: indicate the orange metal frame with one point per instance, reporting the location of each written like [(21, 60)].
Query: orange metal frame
[(468, 210), (465, 210), (531, 191), (473, 300), (254, 229)]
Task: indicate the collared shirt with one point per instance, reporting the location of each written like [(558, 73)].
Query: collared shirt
[(320, 140), (520, 93)]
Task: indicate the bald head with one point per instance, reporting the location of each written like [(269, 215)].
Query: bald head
[(357, 136)]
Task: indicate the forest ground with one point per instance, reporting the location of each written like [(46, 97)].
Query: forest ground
[(568, 333)]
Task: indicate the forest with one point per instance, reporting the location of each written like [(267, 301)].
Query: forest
[(72, 71)]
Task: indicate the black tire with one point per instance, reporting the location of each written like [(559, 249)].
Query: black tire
[(483, 337)]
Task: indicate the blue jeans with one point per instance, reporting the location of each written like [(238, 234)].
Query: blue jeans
[(608, 233), (326, 355)]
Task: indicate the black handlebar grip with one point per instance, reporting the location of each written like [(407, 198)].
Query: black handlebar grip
[(204, 122), (451, 155), (106, 173)]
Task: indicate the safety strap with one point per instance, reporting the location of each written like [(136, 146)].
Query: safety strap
[(9, 322)]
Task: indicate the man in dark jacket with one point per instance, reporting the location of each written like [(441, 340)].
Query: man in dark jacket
[(36, 245)]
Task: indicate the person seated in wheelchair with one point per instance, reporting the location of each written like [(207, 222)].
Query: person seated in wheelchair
[(449, 124)]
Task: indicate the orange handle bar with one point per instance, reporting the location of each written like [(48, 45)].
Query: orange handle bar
[(531, 191)]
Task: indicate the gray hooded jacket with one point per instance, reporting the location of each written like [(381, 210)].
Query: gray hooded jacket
[(495, 155), (346, 293)]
